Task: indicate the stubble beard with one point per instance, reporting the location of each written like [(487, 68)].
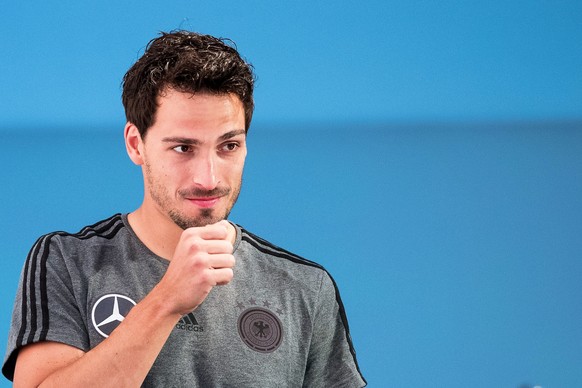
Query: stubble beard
[(206, 216)]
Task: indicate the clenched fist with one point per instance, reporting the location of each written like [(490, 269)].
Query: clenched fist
[(203, 259)]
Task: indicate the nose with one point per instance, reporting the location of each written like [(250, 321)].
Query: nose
[(204, 172)]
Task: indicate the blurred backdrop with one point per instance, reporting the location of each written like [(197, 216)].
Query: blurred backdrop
[(429, 154)]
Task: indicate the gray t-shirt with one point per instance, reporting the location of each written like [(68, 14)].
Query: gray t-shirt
[(279, 323)]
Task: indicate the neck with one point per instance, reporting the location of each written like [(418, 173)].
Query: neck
[(158, 233)]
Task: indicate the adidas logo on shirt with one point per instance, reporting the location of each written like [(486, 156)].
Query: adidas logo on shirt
[(188, 322)]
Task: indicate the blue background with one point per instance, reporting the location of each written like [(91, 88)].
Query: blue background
[(429, 154)]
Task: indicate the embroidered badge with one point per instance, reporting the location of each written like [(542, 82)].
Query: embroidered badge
[(260, 329)]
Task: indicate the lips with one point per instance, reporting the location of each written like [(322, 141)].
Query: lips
[(204, 202), (204, 199)]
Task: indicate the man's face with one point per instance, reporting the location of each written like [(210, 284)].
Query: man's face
[(193, 157)]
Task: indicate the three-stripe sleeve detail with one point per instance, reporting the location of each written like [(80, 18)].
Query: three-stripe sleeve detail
[(35, 322)]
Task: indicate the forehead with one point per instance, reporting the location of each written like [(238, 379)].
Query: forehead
[(198, 112)]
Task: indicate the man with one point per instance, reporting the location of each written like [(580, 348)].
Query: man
[(154, 297)]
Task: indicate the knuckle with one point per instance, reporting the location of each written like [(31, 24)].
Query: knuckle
[(200, 260), (205, 277), (195, 246)]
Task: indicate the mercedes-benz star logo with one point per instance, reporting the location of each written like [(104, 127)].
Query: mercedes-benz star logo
[(109, 311)]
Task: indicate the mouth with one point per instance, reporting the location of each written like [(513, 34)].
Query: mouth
[(204, 202), (204, 199)]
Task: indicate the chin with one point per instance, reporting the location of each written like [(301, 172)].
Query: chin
[(203, 218)]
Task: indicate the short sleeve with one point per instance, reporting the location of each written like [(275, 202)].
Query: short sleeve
[(332, 358), (46, 307)]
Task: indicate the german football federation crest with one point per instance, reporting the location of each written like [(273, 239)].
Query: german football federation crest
[(260, 329)]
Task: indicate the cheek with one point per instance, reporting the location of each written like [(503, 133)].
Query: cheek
[(165, 175), (235, 170), (177, 177), (240, 162)]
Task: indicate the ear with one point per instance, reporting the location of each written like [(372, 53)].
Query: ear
[(133, 144)]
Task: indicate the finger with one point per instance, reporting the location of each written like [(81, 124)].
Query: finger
[(198, 245), (231, 231), (218, 246), (224, 223), (216, 231), (222, 276), (221, 261)]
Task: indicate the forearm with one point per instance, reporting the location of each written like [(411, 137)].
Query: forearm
[(126, 356)]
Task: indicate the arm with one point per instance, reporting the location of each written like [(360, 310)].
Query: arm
[(202, 260)]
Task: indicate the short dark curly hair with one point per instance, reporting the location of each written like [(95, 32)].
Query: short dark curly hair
[(187, 62)]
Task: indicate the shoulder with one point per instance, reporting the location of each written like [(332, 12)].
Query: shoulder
[(60, 242), (275, 252), (281, 263), (105, 229)]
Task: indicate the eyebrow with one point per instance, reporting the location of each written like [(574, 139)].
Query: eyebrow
[(231, 134), (190, 141)]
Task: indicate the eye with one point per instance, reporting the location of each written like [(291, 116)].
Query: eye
[(229, 147), (183, 148)]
